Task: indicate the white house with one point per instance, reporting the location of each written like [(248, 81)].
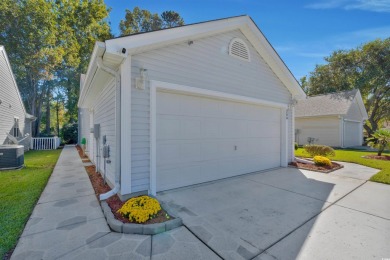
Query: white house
[(15, 123), (334, 119), (187, 105)]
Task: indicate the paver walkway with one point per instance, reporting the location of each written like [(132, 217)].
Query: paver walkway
[(67, 223), (279, 214)]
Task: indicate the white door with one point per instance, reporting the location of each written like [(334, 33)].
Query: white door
[(201, 139), (352, 134)]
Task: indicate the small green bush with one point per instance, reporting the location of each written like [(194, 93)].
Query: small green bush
[(83, 141), (319, 150), (322, 161), (296, 146), (380, 140)]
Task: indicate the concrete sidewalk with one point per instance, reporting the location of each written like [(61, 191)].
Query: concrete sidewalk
[(67, 223)]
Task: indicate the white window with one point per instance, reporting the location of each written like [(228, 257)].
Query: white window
[(15, 131)]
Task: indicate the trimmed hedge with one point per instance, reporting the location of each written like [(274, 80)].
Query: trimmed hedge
[(319, 150)]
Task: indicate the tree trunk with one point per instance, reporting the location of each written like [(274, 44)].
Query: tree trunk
[(48, 116), (58, 122)]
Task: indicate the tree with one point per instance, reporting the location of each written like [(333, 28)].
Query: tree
[(140, 20), (380, 140), (366, 68), (29, 33), (81, 35), (49, 43)]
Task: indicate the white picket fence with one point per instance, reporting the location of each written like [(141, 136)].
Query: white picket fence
[(45, 143)]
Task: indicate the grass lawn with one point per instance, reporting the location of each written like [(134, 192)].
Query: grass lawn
[(355, 156), (20, 191)]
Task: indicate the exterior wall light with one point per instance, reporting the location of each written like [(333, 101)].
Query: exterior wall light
[(141, 80)]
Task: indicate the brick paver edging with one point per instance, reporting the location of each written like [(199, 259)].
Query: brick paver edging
[(149, 229)]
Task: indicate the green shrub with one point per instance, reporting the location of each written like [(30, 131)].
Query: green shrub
[(322, 161), (380, 140), (320, 150), (83, 141), (296, 146)]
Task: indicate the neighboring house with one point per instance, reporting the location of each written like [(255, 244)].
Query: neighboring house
[(14, 121), (334, 119), (187, 105)]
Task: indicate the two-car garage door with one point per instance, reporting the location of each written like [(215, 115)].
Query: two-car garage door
[(200, 139)]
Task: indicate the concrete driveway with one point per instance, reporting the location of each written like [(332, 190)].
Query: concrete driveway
[(288, 213)]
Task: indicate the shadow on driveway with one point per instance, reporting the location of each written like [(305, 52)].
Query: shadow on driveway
[(241, 217)]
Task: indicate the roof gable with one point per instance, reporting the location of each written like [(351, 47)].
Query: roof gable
[(14, 88), (338, 103), (142, 42)]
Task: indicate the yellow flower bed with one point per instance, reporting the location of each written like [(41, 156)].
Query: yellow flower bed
[(322, 161), (140, 209)]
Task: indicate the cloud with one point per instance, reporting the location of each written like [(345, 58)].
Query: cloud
[(327, 4), (371, 5), (365, 5), (364, 35)]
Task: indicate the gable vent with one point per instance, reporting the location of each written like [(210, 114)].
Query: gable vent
[(239, 49)]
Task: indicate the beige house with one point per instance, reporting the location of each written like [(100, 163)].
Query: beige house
[(334, 119)]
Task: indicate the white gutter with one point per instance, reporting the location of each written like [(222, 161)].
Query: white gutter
[(117, 185)]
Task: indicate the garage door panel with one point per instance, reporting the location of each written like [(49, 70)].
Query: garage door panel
[(170, 155), (202, 139), (211, 150), (263, 129), (190, 128), (190, 106), (168, 104), (179, 152), (210, 128), (176, 177), (169, 127), (211, 108), (351, 134)]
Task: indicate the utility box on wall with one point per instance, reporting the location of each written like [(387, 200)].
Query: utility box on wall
[(96, 130)]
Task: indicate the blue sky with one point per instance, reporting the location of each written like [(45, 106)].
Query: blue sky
[(302, 32)]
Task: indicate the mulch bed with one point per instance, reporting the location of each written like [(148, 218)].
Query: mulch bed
[(376, 157), (312, 167), (114, 202)]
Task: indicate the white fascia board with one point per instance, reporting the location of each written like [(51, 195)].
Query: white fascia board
[(269, 54), (157, 39), (92, 67), (2, 49), (359, 100)]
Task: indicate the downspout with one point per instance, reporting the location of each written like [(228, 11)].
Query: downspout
[(292, 107), (117, 185)]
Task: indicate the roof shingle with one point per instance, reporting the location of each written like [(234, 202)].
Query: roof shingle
[(337, 103)]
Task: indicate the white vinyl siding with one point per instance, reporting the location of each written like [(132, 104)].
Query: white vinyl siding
[(325, 129), (104, 114), (84, 127), (11, 105), (354, 112), (204, 64)]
